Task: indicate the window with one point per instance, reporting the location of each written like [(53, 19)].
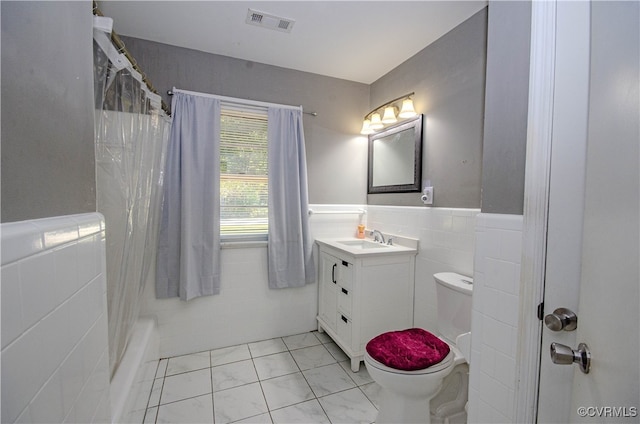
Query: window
[(243, 173)]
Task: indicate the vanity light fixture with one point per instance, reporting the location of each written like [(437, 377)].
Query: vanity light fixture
[(373, 122)]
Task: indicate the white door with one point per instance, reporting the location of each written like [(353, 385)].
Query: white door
[(593, 240)]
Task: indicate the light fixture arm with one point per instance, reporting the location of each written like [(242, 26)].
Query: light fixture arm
[(389, 103)]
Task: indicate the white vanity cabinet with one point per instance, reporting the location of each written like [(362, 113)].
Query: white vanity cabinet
[(363, 294)]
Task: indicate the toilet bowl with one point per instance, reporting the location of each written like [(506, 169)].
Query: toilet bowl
[(437, 392), (406, 395)]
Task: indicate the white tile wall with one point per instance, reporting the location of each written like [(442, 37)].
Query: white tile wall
[(55, 365), (324, 223), (446, 244), (247, 311), (492, 376)]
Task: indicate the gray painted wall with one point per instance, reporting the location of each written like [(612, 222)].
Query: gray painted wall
[(48, 165), (448, 78), (47, 134), (506, 107), (336, 153), (474, 144)]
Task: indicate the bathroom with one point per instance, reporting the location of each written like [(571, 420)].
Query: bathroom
[(460, 87)]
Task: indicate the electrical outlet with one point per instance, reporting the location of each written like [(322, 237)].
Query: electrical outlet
[(427, 196)]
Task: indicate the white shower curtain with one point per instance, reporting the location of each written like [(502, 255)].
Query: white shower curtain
[(189, 246), (131, 133), (290, 250)]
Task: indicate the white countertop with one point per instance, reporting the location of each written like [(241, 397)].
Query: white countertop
[(368, 247)]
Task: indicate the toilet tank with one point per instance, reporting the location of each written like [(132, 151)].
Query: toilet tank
[(454, 304)]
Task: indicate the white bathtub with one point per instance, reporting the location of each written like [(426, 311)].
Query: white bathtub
[(132, 382)]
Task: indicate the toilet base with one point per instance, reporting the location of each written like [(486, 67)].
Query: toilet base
[(459, 418), (448, 406), (397, 409)]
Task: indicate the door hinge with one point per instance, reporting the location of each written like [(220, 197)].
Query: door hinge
[(541, 311)]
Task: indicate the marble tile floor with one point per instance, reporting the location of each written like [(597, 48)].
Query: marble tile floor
[(303, 378)]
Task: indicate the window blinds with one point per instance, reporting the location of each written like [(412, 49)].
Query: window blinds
[(243, 173)]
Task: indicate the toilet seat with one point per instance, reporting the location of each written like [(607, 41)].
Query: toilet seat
[(412, 349), (447, 362)]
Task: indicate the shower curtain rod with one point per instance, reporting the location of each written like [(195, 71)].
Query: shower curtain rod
[(235, 100), (121, 47)]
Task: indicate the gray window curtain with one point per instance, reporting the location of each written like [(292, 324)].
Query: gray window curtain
[(290, 249), (188, 263)]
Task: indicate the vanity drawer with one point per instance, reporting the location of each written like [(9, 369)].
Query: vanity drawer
[(344, 329), (344, 301)]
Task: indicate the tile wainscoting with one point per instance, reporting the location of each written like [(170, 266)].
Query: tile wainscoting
[(246, 310), (446, 244), (67, 255), (494, 337), (55, 365)]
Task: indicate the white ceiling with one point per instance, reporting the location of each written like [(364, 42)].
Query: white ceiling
[(354, 40)]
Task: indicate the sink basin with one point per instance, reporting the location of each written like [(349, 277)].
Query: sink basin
[(367, 248), (362, 244)]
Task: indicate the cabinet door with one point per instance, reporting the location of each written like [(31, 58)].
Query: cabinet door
[(328, 307)]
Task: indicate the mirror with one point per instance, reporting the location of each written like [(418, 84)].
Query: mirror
[(395, 158)]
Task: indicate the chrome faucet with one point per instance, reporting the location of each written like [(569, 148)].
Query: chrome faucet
[(375, 234)]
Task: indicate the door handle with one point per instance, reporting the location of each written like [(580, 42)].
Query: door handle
[(561, 319), (564, 355)]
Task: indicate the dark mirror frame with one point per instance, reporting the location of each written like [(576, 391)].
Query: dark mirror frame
[(416, 125)]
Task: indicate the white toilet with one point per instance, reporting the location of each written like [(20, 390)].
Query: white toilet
[(439, 392)]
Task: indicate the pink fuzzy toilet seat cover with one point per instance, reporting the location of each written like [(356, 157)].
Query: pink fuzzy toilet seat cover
[(408, 350)]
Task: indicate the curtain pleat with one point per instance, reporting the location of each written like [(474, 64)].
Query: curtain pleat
[(189, 247), (290, 248)]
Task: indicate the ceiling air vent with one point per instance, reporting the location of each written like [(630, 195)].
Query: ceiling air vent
[(269, 21)]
